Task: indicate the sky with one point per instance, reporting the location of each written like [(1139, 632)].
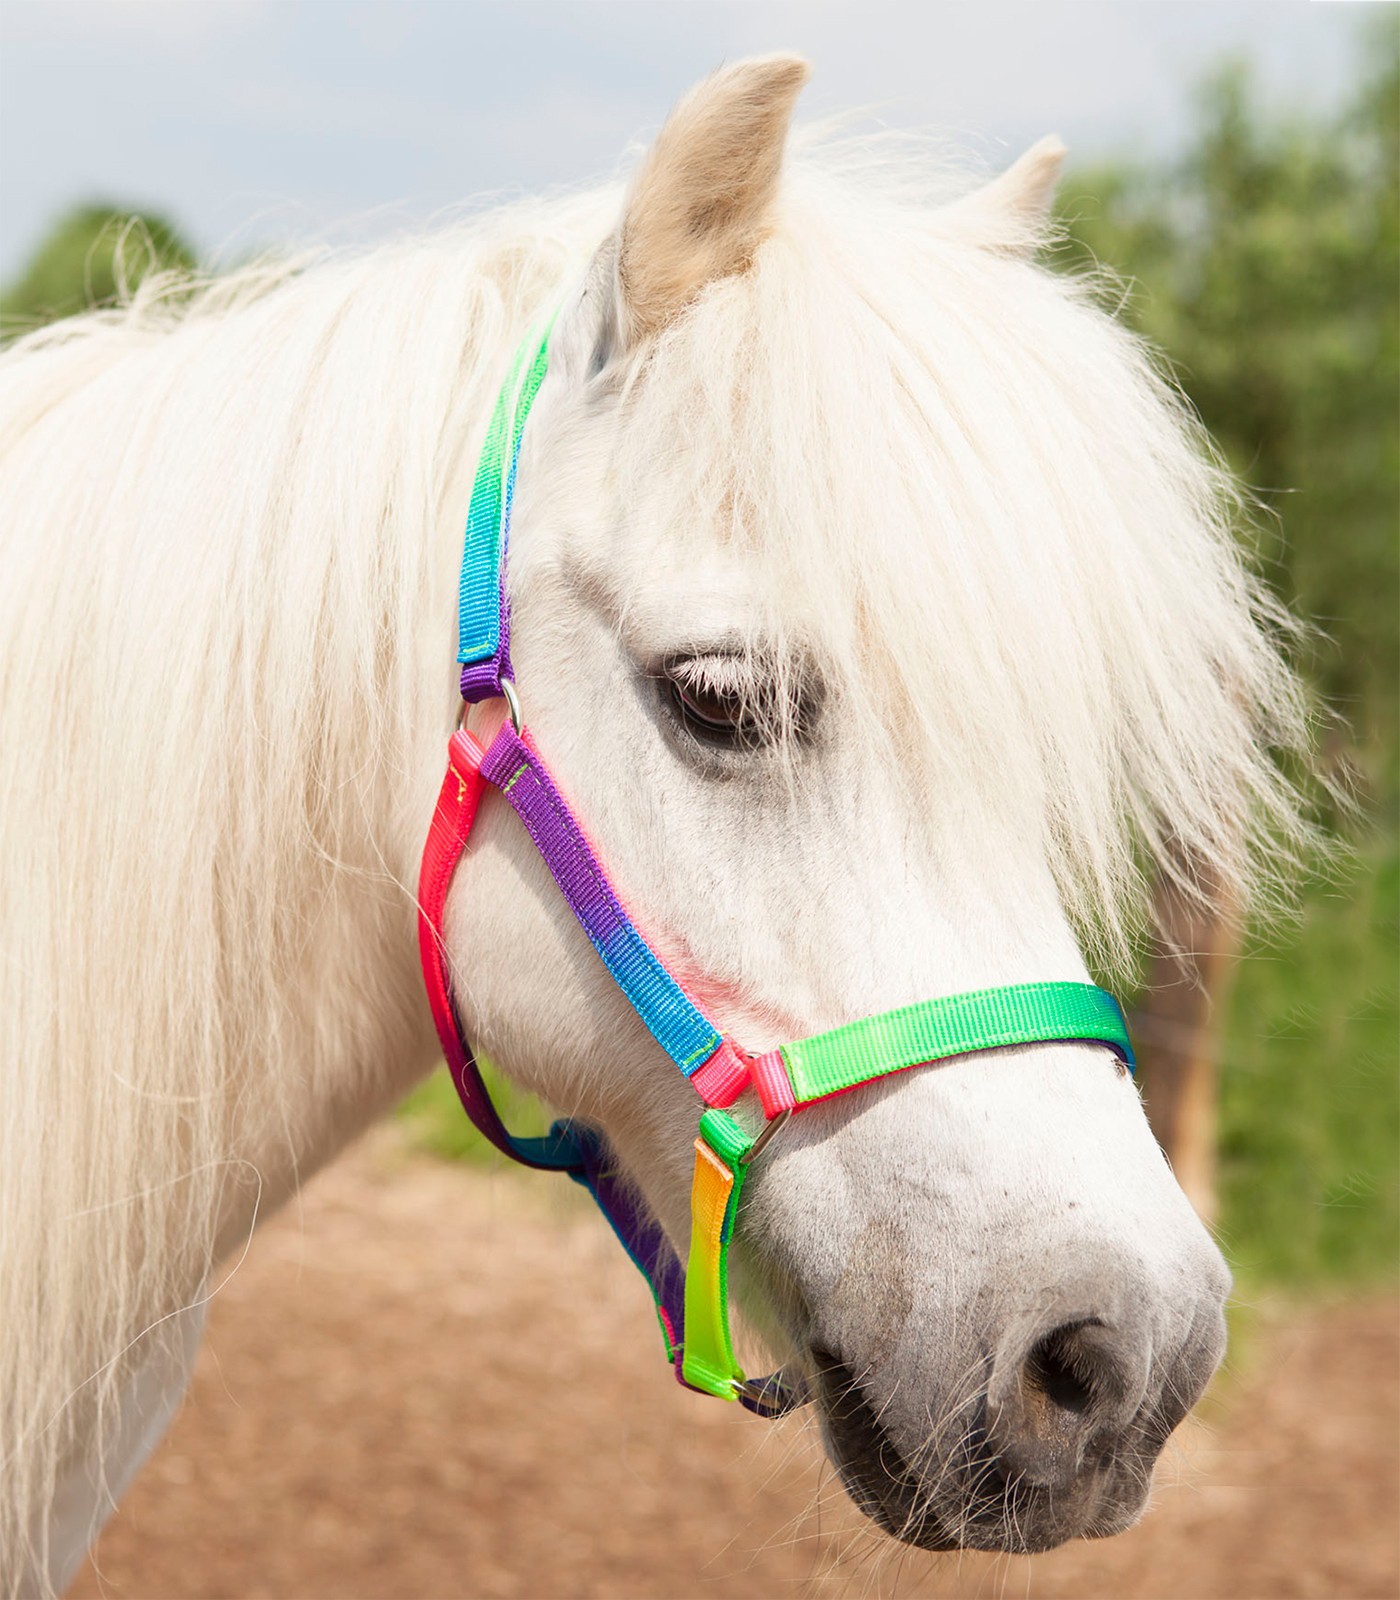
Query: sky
[(252, 122)]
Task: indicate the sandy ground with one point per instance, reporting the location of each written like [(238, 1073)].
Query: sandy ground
[(427, 1382)]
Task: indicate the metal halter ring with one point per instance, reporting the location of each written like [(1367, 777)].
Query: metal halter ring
[(512, 701), (770, 1132)]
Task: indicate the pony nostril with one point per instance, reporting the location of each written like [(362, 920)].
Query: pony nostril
[(1065, 1393), (1058, 1369)]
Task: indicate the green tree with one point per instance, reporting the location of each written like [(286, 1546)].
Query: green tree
[(90, 256), (1266, 265)]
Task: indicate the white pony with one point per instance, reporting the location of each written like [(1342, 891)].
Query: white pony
[(878, 606)]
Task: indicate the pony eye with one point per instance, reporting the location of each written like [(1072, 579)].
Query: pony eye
[(710, 699), (719, 709), (738, 702)]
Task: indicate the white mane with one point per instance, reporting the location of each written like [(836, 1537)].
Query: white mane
[(229, 524), (1014, 542)]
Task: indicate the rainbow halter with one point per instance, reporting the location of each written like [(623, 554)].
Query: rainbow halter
[(692, 1302)]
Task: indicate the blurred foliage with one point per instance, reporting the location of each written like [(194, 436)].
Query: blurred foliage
[(1309, 1103), (1266, 264), (92, 256)]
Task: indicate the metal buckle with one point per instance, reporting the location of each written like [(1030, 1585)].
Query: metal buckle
[(770, 1132)]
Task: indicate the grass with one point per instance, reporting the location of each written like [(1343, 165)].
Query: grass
[(1309, 1099)]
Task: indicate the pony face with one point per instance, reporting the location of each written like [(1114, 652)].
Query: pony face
[(835, 557)]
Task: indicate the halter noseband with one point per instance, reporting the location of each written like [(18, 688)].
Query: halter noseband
[(692, 1302)]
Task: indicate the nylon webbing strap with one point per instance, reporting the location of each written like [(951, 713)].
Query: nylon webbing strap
[(575, 1148), (678, 1026), (451, 827), (483, 612), (932, 1030), (637, 1230), (709, 1362)]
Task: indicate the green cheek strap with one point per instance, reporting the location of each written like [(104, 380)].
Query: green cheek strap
[(721, 1154)]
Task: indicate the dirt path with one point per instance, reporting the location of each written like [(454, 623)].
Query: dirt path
[(432, 1383)]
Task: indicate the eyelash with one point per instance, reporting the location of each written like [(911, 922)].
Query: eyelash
[(707, 696), (727, 703)]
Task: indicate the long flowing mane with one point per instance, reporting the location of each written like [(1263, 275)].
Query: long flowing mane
[(228, 526), (230, 518)]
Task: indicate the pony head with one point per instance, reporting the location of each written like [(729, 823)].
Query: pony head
[(877, 606)]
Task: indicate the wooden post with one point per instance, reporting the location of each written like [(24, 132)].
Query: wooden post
[(1188, 983)]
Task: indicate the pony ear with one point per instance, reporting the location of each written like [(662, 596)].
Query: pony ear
[(702, 201), (1009, 214)]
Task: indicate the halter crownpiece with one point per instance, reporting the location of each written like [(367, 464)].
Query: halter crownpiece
[(692, 1301)]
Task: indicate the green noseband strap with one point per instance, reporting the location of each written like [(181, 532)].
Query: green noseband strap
[(933, 1030)]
